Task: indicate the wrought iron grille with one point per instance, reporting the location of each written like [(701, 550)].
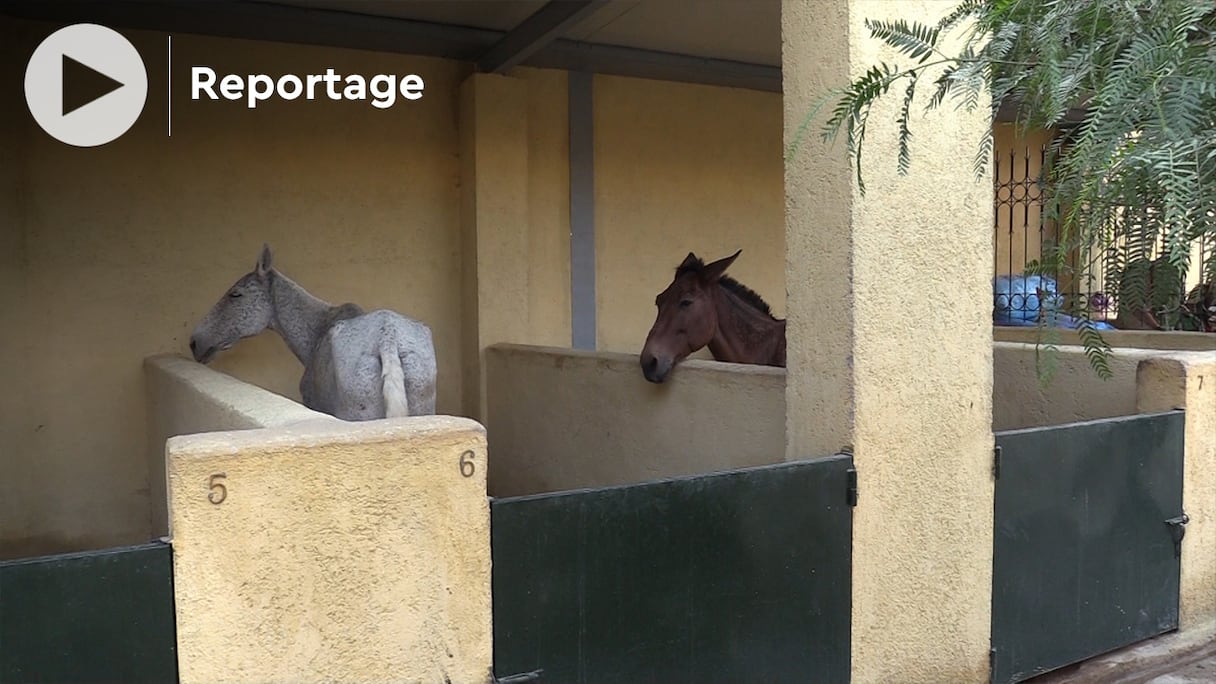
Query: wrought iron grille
[(1024, 234)]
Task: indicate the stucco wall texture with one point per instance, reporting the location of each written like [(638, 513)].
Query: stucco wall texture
[(911, 393), (563, 419), (184, 398), (119, 250), (514, 217), (1075, 393), (1174, 340), (18, 429), (339, 553), (1188, 380), (681, 168), (111, 255)]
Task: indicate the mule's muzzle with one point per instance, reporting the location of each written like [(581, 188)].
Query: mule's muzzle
[(655, 369), (202, 354)]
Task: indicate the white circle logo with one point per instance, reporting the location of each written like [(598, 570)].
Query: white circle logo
[(85, 85)]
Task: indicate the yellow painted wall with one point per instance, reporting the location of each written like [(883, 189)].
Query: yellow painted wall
[(341, 554), (1075, 393), (911, 394), (514, 216), (18, 429), (184, 398), (682, 168), (1188, 380), (1178, 340), (548, 207), (124, 247), (564, 419), (119, 250), (329, 551), (560, 418)]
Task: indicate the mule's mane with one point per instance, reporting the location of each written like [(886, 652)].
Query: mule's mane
[(341, 313), (737, 288)]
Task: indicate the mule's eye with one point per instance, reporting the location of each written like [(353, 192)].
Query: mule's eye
[(234, 294), (685, 303)]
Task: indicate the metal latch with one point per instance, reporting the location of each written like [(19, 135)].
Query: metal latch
[(1178, 531)]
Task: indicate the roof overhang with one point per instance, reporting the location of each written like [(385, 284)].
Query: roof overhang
[(715, 42)]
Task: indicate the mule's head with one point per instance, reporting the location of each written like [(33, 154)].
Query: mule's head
[(244, 311), (687, 318)]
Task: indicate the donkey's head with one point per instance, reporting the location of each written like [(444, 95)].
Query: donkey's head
[(244, 311), (687, 318)]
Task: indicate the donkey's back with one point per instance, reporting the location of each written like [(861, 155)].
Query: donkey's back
[(372, 365)]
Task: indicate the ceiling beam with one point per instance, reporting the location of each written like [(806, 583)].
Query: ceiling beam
[(654, 64), (256, 20), (532, 34)]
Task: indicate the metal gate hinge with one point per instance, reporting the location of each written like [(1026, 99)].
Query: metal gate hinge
[(1178, 531), (996, 462), (851, 490)]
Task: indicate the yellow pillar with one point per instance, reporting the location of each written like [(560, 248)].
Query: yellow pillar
[(332, 552), (890, 348), (494, 223), (1185, 380)]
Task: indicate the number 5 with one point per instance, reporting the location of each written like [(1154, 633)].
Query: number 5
[(223, 491)]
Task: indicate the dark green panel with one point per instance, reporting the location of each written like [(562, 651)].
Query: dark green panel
[(102, 616), (741, 576), (1083, 559)]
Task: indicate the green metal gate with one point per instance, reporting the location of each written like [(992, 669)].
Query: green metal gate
[(1088, 524), (742, 576), (96, 616)]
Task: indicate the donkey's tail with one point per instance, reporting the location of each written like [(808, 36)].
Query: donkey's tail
[(392, 377)]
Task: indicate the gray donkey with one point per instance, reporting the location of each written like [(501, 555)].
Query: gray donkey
[(357, 365)]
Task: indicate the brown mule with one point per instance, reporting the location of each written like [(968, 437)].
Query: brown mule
[(702, 306)]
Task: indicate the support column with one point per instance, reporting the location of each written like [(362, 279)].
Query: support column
[(890, 348), (325, 551), (494, 224), (1185, 380), (582, 210)]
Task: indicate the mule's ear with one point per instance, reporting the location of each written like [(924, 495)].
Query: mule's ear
[(712, 272), (689, 261), (264, 260)]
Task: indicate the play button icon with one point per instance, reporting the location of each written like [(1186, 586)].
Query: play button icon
[(82, 85), (85, 85)]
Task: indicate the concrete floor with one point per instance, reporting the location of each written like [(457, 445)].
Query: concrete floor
[(1198, 671), (1179, 658)]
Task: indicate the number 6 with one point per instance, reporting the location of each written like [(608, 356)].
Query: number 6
[(466, 464), (223, 491)]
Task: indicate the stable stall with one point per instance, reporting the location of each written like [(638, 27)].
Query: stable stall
[(733, 523)]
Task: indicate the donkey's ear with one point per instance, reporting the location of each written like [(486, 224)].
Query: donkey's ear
[(264, 260), (689, 261), (712, 272)]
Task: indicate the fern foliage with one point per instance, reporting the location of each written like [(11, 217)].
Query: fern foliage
[(1131, 87)]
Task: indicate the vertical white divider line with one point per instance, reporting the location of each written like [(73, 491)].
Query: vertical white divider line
[(169, 89)]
